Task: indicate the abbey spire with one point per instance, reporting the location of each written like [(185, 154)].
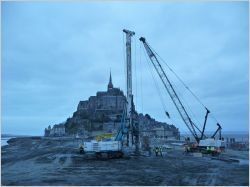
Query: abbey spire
[(110, 85)]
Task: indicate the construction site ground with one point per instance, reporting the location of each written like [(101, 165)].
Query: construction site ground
[(56, 161)]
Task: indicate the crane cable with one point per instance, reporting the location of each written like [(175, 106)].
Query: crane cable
[(195, 96), (156, 85), (158, 89), (179, 94), (141, 82), (136, 103)]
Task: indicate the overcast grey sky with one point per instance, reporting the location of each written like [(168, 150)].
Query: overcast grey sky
[(56, 54)]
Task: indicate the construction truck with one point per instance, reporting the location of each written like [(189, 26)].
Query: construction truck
[(202, 142)]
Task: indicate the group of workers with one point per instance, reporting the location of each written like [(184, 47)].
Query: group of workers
[(158, 151)]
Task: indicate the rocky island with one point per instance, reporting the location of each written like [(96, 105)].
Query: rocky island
[(102, 114)]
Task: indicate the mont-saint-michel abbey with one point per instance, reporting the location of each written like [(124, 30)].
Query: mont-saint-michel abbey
[(102, 114)]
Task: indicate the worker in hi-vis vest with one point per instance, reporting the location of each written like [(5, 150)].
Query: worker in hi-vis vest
[(156, 149), (160, 150)]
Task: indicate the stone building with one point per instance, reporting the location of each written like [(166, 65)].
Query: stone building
[(111, 100), (153, 132), (57, 130), (47, 131)]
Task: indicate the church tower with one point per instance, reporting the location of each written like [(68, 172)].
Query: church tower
[(110, 85)]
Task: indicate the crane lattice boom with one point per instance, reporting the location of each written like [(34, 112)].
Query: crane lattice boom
[(167, 84)]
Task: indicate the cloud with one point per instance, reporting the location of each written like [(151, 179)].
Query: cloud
[(55, 54)]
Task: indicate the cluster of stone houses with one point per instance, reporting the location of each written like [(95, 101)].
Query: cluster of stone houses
[(56, 130)]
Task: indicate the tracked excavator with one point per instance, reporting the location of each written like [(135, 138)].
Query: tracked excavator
[(202, 142)]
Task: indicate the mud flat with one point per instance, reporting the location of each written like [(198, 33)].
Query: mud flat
[(55, 161)]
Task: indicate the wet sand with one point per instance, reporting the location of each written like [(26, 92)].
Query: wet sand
[(56, 161)]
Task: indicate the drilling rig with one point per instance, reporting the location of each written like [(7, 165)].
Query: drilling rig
[(132, 125), (128, 134)]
